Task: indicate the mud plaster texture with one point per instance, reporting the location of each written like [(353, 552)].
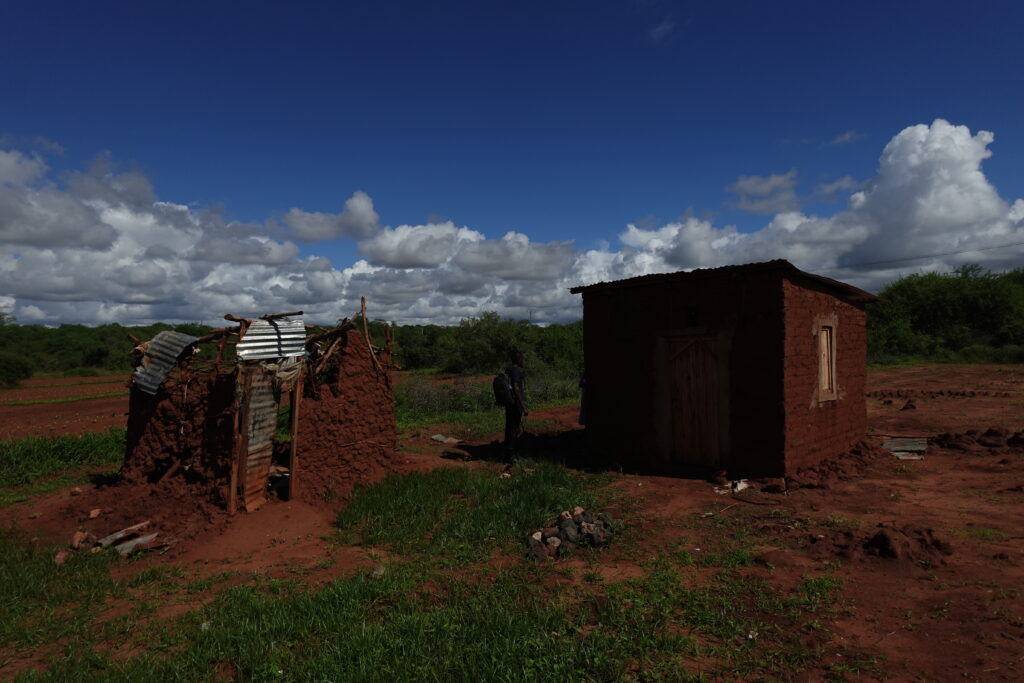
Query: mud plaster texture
[(176, 470), (762, 322), (819, 427), (346, 432)]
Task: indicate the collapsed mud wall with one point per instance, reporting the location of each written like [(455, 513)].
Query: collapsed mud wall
[(346, 430), (183, 434)]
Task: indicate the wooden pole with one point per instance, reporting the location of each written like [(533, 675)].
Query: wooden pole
[(293, 459), (241, 448)]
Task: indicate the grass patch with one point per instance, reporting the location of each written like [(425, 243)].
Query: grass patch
[(470, 404), (41, 601), (63, 400), (985, 534), (27, 465), (459, 513), (481, 624)]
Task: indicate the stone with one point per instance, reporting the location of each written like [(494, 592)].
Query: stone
[(565, 515), (93, 514), (537, 536), (577, 511), (538, 553), (82, 538), (61, 557), (554, 542), (377, 572), (76, 491)]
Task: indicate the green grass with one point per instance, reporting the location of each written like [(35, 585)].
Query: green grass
[(985, 534), (435, 612), (63, 400), (41, 601), (461, 513), (37, 464)]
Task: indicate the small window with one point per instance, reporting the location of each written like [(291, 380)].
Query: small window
[(826, 363)]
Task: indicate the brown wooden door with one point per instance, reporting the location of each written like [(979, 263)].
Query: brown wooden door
[(693, 365)]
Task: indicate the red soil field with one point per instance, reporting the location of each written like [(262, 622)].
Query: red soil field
[(929, 551)]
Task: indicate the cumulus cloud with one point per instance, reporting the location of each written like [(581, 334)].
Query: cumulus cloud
[(101, 246), (358, 220), (419, 246), (766, 194)]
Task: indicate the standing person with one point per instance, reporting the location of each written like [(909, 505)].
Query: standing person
[(515, 411)]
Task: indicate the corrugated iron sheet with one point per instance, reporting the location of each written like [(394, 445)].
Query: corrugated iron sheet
[(161, 354), (262, 425), (280, 338)]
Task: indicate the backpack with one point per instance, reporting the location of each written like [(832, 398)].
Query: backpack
[(503, 390)]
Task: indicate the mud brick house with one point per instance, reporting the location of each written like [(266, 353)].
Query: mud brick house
[(757, 369), (273, 407)]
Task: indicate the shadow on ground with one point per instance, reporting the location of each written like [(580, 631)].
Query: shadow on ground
[(569, 449)]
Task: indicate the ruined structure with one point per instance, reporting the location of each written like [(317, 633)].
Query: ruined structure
[(757, 369), (266, 407)]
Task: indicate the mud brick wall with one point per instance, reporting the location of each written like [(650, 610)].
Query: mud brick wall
[(188, 425), (818, 428), (627, 338), (346, 429)]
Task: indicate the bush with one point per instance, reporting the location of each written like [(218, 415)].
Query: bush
[(13, 369)]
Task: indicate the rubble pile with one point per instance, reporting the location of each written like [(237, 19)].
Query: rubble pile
[(993, 440), (568, 531)]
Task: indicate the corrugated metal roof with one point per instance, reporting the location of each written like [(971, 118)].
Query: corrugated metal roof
[(279, 338), (843, 290), (161, 355)]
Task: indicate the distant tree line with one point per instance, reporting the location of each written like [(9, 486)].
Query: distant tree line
[(968, 315)]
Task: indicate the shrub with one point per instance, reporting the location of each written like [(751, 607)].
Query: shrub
[(13, 369)]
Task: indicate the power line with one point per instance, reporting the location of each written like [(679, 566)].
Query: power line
[(915, 258)]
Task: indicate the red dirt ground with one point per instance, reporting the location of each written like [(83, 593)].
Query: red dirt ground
[(948, 604), (54, 419)]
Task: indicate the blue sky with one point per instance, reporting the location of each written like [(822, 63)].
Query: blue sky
[(560, 121)]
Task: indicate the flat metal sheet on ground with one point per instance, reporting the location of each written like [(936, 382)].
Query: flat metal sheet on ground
[(906, 445)]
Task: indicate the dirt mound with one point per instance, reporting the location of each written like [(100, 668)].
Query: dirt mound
[(992, 441), (172, 508), (907, 544), (848, 465)]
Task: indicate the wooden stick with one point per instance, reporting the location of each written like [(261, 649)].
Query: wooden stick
[(118, 535), (293, 461), (271, 316), (366, 334)]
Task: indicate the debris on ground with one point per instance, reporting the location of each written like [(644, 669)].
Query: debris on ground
[(441, 438), (570, 530)]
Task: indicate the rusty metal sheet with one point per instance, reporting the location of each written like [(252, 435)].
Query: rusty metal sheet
[(260, 448), (280, 338), (161, 354)]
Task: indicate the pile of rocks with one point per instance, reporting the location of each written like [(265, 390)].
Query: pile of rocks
[(571, 530)]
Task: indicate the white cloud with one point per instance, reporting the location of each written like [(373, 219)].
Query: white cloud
[(766, 194), (359, 220), (103, 247), (419, 246)]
